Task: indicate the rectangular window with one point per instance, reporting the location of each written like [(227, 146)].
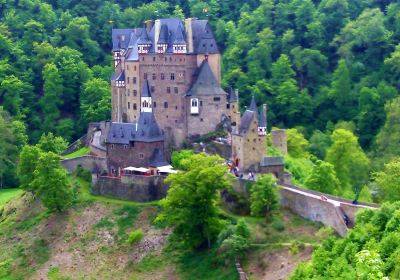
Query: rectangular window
[(217, 98), (128, 80), (162, 76), (134, 68), (228, 106), (172, 76), (125, 147), (129, 105), (154, 105), (134, 106), (134, 92), (152, 89), (112, 146), (154, 76), (134, 80), (154, 58), (145, 76), (175, 89), (168, 90), (141, 156), (201, 103), (165, 104)]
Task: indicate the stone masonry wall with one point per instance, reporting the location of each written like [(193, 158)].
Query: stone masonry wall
[(91, 163), (135, 188)]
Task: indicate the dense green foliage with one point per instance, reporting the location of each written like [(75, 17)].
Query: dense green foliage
[(370, 251), (41, 173), (190, 203), (234, 241), (388, 181), (264, 195), (323, 178)]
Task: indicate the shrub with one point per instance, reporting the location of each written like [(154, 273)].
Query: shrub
[(135, 236), (83, 173), (277, 224)]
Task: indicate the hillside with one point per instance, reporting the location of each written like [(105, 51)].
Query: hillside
[(89, 241)]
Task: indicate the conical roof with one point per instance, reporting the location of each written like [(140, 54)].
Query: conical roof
[(163, 39), (179, 38), (262, 119), (146, 89), (253, 104), (206, 83)]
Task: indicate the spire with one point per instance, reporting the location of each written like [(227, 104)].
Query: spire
[(253, 104), (233, 97), (163, 39), (262, 117), (179, 38), (145, 99), (146, 90)]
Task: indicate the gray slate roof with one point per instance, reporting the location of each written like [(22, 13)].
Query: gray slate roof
[(172, 30), (272, 161), (233, 97), (158, 159), (205, 82), (145, 130), (245, 122), (253, 104), (262, 119), (118, 76), (146, 90)]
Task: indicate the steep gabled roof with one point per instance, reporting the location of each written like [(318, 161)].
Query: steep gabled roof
[(205, 82), (146, 90), (120, 38), (144, 38), (245, 122), (158, 159)]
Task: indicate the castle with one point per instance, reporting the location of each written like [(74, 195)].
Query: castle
[(165, 91), (180, 62)]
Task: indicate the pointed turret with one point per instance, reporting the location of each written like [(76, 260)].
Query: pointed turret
[(144, 42), (179, 43), (146, 99), (253, 104), (262, 121), (162, 42)]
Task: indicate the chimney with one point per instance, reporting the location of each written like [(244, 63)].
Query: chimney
[(265, 114), (149, 24), (189, 34), (157, 27)]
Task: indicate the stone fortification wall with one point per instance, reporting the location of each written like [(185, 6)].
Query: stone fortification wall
[(92, 163), (314, 209), (135, 188), (76, 145)]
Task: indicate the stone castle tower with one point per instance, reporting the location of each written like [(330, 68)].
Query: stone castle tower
[(249, 139), (180, 61)]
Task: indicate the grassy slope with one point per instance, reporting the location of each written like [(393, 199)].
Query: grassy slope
[(90, 241), (8, 194), (81, 152)]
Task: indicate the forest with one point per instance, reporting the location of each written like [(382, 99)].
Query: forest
[(329, 71)]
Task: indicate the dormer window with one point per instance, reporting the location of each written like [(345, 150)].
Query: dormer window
[(161, 48), (194, 106), (144, 48), (179, 48)]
